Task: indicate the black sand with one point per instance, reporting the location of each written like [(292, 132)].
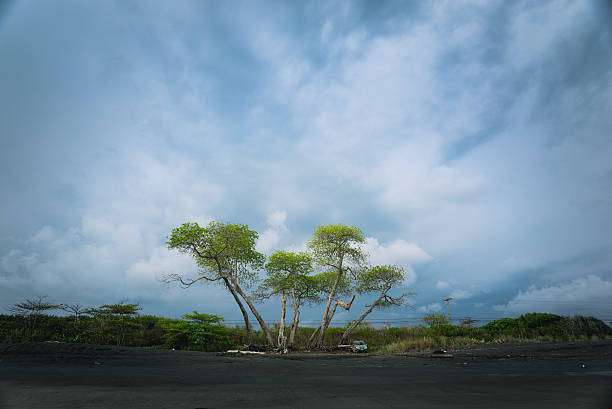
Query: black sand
[(551, 375)]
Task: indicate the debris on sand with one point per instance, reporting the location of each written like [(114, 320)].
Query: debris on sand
[(241, 352), (440, 353)]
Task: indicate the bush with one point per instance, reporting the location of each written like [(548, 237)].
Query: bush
[(555, 327), (204, 332), (198, 332)]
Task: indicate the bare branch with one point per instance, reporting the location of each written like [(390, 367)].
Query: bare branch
[(33, 306), (346, 306), (185, 283), (75, 309)]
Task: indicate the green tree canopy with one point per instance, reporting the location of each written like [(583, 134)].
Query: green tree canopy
[(338, 249), (224, 253), (380, 279)]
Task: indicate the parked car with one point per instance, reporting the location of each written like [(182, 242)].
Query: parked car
[(359, 346)]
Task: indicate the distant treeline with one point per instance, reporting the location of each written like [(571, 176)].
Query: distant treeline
[(120, 324)]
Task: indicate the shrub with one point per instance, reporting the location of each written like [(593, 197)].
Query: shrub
[(199, 332)]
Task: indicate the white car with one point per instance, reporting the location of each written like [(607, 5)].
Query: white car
[(359, 346)]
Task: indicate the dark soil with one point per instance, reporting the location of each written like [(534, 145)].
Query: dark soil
[(60, 375)]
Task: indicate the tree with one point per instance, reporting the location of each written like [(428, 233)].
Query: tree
[(325, 281), (76, 311), (115, 319), (202, 332), (468, 322), (337, 248), (32, 310), (225, 254), (33, 306), (381, 279), (434, 320), (288, 273)]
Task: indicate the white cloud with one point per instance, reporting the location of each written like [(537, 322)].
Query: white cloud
[(435, 307), (396, 252), (355, 125), (17, 263), (535, 34), (513, 264), (161, 261), (584, 296), (276, 220), (400, 252), (442, 285), (460, 294), (276, 230), (46, 233)]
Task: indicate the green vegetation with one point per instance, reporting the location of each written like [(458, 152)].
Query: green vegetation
[(198, 332), (334, 269), (119, 324), (225, 254)]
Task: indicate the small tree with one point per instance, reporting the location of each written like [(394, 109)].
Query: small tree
[(115, 319), (35, 306), (202, 332), (225, 254), (32, 310), (336, 248), (76, 312), (468, 322), (381, 279), (434, 320), (288, 273)]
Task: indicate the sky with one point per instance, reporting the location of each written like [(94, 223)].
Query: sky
[(471, 141)]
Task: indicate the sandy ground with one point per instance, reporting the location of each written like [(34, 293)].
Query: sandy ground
[(551, 375)]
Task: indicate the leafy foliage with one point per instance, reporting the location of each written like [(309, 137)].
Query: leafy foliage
[(111, 321), (337, 242), (220, 250), (434, 320), (226, 254), (198, 332), (538, 324), (288, 271), (150, 331)]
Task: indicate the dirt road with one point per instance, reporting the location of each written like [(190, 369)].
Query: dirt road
[(577, 375)]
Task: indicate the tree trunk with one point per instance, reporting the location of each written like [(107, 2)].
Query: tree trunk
[(294, 326), (312, 337), (326, 319), (350, 329), (296, 318), (331, 316), (282, 339), (262, 323), (245, 314)]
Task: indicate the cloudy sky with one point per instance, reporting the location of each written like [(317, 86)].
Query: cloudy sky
[(471, 141)]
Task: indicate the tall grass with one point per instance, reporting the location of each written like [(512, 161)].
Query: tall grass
[(149, 331)]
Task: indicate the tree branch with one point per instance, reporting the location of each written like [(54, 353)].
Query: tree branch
[(185, 283)]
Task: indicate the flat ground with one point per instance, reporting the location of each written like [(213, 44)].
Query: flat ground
[(548, 375)]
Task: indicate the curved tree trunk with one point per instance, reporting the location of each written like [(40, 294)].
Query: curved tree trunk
[(326, 318), (262, 323), (245, 314), (312, 337), (350, 329), (346, 306)]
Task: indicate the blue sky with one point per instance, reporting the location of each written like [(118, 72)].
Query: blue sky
[(471, 141)]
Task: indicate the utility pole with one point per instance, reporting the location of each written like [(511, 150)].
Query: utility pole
[(447, 299)]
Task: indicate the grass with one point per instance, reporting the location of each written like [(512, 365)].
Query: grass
[(148, 331)]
